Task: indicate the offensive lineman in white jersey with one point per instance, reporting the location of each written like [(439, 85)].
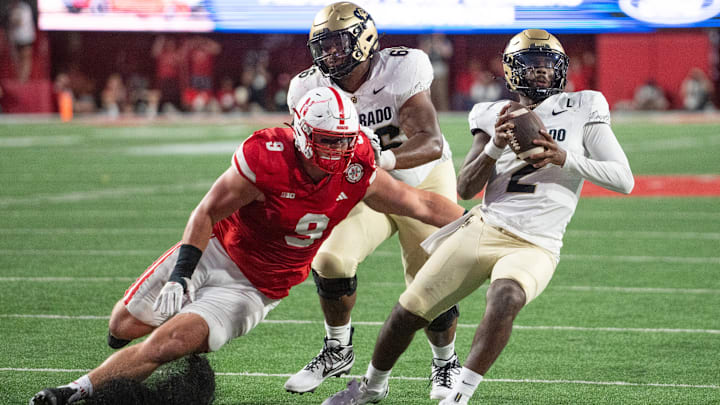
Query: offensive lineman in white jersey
[(390, 90), (514, 237)]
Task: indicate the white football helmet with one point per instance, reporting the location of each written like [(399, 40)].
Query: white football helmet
[(326, 127)]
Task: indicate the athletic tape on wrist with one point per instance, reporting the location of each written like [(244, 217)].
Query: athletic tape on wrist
[(387, 160), (493, 150)]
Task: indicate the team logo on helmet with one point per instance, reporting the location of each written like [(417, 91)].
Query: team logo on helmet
[(342, 36), (354, 173)]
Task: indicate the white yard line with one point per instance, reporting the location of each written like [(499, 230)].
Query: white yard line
[(642, 259), (683, 142), (377, 323), (575, 233), (100, 194), (34, 141), (89, 231), (645, 234), (205, 148), (659, 214), (381, 253), (66, 279), (389, 284), (406, 378), (88, 252), (32, 212)]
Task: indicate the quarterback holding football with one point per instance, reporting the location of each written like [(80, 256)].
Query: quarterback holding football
[(513, 238)]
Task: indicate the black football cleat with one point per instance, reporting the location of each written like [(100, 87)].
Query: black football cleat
[(53, 396)]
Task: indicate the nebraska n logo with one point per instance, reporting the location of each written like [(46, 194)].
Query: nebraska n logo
[(341, 197)]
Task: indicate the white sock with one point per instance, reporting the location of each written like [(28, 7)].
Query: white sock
[(83, 388), (341, 333), (465, 385), (377, 380), (443, 353)]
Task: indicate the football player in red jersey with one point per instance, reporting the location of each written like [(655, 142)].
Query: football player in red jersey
[(250, 239)]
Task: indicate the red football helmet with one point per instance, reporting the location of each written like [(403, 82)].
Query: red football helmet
[(326, 127)]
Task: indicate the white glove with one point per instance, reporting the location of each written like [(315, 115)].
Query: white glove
[(170, 299), (387, 160), (384, 159), (374, 142)]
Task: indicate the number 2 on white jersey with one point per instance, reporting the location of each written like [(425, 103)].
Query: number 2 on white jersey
[(311, 226)]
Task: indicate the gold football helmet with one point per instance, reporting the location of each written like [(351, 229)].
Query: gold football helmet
[(529, 50), (342, 36)]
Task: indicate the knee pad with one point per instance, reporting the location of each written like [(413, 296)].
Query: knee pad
[(444, 320), (334, 288), (116, 343)]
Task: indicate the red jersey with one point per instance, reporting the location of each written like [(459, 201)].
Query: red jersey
[(274, 241)]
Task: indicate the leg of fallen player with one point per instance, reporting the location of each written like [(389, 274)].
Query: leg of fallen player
[(183, 334)]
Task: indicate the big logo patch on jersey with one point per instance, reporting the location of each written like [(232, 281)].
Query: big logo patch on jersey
[(354, 173)]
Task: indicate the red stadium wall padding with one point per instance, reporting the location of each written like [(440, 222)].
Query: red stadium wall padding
[(34, 96), (626, 61)]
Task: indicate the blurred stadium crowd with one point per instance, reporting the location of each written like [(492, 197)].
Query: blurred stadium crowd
[(150, 74)]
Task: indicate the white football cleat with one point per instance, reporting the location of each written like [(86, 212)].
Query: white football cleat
[(333, 360), (357, 393), (443, 376)]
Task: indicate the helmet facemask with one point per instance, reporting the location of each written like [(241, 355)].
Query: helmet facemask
[(342, 36), (525, 55), (523, 66), (333, 53), (326, 129)]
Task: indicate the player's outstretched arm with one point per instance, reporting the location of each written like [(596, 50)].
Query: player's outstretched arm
[(230, 192), (418, 120), (391, 196)]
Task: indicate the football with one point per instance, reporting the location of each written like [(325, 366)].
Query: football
[(527, 128)]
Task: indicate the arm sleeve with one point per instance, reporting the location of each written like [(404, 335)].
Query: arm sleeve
[(607, 166)]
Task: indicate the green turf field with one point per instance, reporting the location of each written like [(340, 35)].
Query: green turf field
[(632, 315)]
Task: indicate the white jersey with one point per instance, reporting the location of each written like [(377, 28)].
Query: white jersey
[(396, 74), (537, 204)]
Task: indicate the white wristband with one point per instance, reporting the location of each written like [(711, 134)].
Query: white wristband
[(493, 150), (387, 160)]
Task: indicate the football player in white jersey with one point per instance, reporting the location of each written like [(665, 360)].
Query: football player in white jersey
[(390, 90), (514, 237)]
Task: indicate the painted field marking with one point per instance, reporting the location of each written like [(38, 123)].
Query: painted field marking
[(155, 231), (658, 186), (101, 194), (310, 283), (205, 148), (405, 378), (663, 186), (570, 257), (374, 323)]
